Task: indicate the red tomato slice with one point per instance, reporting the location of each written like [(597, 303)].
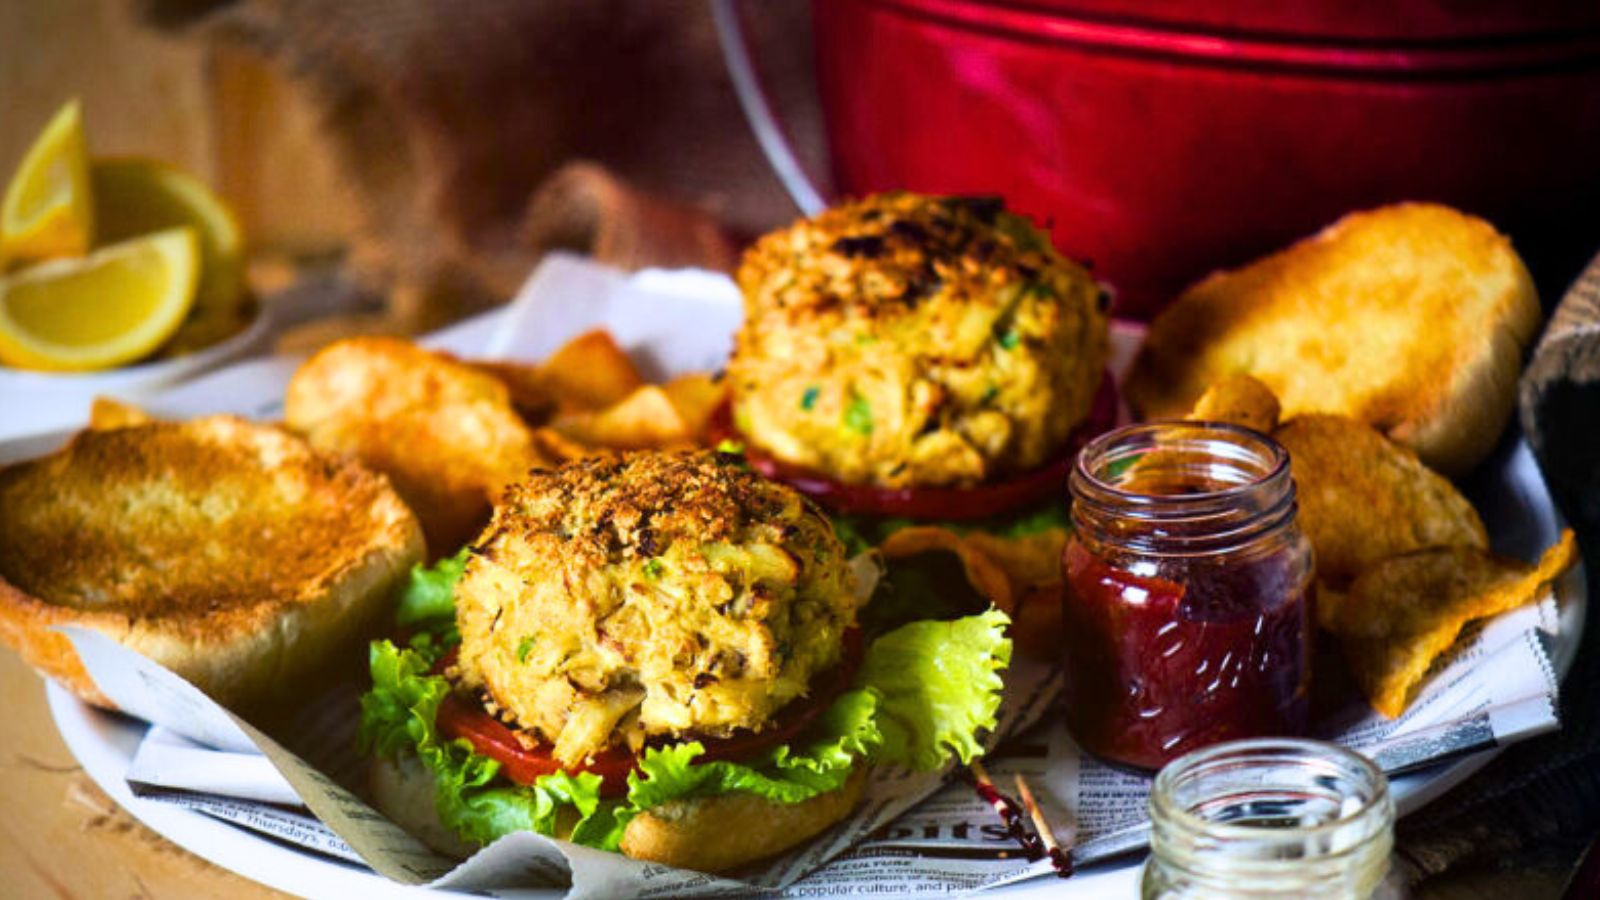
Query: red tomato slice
[(935, 504), (461, 717)]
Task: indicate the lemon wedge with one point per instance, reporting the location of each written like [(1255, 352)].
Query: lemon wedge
[(107, 309), (136, 197), (47, 211)]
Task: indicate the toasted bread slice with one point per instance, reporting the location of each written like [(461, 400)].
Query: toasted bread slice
[(228, 551), (1412, 318), (446, 433), (109, 412)]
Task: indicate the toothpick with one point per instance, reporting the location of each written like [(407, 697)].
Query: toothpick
[(980, 774), (1016, 826), (1058, 857)]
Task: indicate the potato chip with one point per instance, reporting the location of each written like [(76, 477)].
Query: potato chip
[(1403, 614), (645, 419), (1364, 498), (1032, 564), (590, 372), (530, 391), (1030, 561), (985, 575), (556, 446), (444, 432), (1330, 604), (1238, 400), (1037, 626), (107, 413), (697, 397), (1019, 575)]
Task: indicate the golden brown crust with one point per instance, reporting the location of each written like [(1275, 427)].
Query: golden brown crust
[(733, 830), (446, 433), (906, 340), (1411, 318), (634, 504), (229, 552), (1364, 498), (655, 594), (708, 835)]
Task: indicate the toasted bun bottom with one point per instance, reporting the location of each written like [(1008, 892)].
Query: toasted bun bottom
[(710, 835)]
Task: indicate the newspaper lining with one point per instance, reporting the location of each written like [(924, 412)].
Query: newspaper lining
[(1497, 688), (910, 836)]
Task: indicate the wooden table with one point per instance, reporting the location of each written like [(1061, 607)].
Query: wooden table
[(62, 837)]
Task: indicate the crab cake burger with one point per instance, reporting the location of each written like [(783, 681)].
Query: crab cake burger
[(659, 654), (612, 603), (907, 343)]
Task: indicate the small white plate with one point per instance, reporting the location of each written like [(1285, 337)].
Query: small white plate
[(35, 402)]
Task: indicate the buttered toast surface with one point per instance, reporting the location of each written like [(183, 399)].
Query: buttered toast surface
[(211, 545), (1411, 318)]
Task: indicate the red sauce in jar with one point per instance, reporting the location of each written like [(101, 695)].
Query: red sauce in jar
[(1185, 628), (1159, 667)]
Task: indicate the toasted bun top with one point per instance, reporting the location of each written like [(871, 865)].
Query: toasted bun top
[(1411, 318), (229, 552), (202, 520)]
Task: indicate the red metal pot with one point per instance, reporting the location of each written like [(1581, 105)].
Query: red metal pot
[(1164, 139)]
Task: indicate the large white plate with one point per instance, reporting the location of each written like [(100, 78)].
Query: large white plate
[(1508, 491), (1514, 501), (39, 401)]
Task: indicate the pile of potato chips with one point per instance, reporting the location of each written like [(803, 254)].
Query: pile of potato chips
[(1402, 558), (450, 433)]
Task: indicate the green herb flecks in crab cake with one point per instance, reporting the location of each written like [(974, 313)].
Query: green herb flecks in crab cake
[(668, 593), (905, 340)]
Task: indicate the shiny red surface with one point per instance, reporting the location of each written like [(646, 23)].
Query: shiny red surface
[(1159, 666), (934, 504), (1162, 140)]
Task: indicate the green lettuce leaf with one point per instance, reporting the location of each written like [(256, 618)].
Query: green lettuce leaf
[(430, 594), (939, 685), (842, 736), (923, 693), (400, 710), (399, 714), (427, 606)]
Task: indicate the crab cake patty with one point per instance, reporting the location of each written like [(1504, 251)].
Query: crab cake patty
[(905, 340), (615, 600)]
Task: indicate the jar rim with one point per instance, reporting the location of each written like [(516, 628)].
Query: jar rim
[(1258, 499), (1274, 454), (1171, 811)]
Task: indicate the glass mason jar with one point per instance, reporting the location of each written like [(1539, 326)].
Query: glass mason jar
[(1186, 609), (1270, 818)]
